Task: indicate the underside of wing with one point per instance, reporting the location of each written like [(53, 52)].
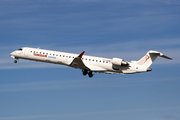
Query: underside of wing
[(96, 68), (78, 63)]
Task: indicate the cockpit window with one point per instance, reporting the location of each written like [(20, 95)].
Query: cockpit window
[(20, 49)]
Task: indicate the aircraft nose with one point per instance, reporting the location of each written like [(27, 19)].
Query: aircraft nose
[(13, 53)]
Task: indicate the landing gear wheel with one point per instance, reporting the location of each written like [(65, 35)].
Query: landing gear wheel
[(15, 61), (85, 72), (90, 74)]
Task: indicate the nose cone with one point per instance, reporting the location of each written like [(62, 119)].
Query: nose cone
[(13, 54), (149, 69)]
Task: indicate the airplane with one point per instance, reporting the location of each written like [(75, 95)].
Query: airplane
[(88, 64)]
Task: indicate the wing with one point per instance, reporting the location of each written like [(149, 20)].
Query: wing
[(78, 63)]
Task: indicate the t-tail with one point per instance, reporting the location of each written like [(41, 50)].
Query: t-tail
[(149, 58)]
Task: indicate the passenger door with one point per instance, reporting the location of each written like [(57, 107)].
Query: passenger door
[(26, 52)]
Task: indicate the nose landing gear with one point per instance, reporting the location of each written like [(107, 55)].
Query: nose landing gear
[(16, 60)]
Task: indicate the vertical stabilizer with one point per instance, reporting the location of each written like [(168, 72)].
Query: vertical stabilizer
[(149, 58)]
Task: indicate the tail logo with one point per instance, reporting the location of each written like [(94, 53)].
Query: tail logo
[(146, 57)]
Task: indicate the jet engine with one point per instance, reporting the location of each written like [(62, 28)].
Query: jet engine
[(119, 62)]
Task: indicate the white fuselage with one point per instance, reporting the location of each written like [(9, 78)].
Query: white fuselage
[(97, 64)]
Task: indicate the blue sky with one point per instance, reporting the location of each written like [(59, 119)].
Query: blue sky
[(116, 28)]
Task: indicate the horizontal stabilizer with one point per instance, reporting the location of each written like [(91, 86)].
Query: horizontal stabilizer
[(159, 54)]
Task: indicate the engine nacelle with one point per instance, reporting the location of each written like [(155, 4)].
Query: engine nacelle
[(119, 62)]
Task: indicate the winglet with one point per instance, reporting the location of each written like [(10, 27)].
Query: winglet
[(80, 56)]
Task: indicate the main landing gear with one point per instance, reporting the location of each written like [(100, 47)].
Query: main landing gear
[(85, 72)]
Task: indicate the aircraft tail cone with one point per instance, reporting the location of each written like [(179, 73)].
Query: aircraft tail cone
[(149, 69)]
